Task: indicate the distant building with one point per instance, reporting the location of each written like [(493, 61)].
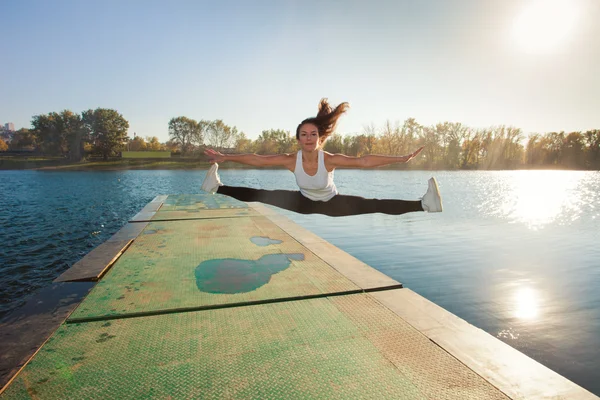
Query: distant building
[(9, 126)]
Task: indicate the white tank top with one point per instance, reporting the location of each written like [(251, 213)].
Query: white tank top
[(319, 187)]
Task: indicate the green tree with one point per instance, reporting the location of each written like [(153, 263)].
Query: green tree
[(60, 133), (107, 130), (243, 144), (137, 144), (410, 134), (172, 146), (471, 148), (390, 139), (451, 135), (554, 146), (351, 145), (153, 144), (186, 133), (592, 140), (220, 135), (502, 148), (46, 128), (22, 139), (533, 152), (74, 132), (430, 137), (334, 144), (360, 145), (573, 152), (275, 141)]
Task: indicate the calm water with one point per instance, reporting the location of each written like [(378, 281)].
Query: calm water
[(514, 253)]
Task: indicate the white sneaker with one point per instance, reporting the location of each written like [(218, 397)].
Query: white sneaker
[(432, 201), (211, 181)]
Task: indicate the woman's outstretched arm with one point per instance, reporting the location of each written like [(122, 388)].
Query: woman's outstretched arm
[(284, 160), (370, 161)]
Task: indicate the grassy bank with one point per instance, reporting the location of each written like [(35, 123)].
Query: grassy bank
[(60, 164)]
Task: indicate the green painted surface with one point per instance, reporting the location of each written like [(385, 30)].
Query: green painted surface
[(336, 348), (159, 270), (200, 202)]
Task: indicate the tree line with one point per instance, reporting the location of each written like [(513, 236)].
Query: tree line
[(101, 131), (448, 145)]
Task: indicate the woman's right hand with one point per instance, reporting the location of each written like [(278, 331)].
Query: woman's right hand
[(214, 156)]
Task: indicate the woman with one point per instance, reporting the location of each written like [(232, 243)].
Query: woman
[(313, 169)]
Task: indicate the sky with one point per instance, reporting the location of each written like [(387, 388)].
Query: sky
[(261, 65)]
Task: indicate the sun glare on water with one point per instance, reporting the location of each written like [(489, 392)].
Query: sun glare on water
[(543, 26), (526, 302), (539, 198)]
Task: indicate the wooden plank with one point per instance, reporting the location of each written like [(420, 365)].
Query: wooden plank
[(160, 198), (149, 209), (128, 232), (23, 331), (142, 216), (95, 263)]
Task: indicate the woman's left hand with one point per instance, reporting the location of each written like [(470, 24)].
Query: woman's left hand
[(214, 156), (414, 154)]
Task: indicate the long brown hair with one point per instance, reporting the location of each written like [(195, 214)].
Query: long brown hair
[(326, 119)]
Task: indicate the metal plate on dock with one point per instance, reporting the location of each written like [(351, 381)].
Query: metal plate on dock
[(207, 263), (340, 347)]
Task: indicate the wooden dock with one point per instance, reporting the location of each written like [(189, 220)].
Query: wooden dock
[(203, 296)]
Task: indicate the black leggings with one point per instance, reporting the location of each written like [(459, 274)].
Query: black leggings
[(338, 206)]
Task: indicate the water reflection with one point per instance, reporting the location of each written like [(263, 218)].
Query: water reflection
[(526, 303), (538, 198), (500, 232)]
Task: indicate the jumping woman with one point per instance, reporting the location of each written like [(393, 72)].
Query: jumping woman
[(313, 169)]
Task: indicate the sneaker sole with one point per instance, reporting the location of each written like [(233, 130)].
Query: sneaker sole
[(438, 197)]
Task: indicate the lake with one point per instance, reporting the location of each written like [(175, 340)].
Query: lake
[(514, 253)]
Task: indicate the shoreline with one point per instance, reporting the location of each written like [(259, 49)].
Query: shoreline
[(48, 164)]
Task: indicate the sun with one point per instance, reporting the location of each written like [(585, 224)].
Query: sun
[(543, 26)]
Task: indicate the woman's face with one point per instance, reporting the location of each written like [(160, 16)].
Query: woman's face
[(309, 137)]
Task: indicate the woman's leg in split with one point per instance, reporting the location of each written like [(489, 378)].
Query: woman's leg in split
[(338, 206), (342, 205), (286, 199)]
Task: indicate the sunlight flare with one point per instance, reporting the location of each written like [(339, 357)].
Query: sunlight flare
[(538, 198), (526, 303), (543, 26)]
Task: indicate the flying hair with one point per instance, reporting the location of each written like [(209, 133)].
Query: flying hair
[(326, 119)]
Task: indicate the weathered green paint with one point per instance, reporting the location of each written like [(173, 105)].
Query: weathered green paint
[(331, 347), (200, 202), (240, 276), (338, 348), (202, 206), (157, 272)]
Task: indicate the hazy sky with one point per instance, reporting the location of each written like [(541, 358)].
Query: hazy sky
[(265, 64)]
